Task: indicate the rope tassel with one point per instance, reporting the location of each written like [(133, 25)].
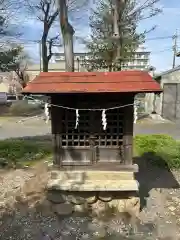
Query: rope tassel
[(104, 121)]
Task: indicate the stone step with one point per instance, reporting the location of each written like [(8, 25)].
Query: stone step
[(95, 185), (92, 175)]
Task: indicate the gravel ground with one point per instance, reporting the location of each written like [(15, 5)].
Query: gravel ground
[(10, 184), (25, 213)]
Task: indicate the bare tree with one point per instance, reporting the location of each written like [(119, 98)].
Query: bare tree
[(65, 7), (46, 12), (21, 70), (8, 10)]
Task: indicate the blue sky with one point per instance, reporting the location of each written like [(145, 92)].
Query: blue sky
[(161, 49)]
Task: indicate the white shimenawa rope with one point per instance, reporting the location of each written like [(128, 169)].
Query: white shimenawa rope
[(104, 119), (86, 109)]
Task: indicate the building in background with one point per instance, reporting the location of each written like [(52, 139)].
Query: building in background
[(79, 58), (9, 86), (140, 60), (33, 70)]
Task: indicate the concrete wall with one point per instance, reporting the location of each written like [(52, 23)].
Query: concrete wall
[(4, 88), (169, 77), (172, 77)]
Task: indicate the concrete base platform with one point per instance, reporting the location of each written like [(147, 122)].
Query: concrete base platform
[(92, 181), (97, 185), (97, 192)]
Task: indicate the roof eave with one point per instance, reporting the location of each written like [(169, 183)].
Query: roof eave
[(82, 92)]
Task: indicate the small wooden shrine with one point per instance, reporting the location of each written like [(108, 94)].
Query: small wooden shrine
[(89, 143), (92, 125)]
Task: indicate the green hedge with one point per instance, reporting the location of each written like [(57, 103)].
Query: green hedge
[(17, 153), (160, 150)]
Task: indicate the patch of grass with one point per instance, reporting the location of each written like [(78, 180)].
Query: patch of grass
[(19, 153), (159, 149)]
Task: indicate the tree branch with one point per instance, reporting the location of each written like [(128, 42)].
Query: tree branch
[(51, 42), (52, 18)]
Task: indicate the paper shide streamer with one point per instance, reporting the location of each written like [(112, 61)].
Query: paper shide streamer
[(104, 121), (46, 112), (77, 118), (104, 118)]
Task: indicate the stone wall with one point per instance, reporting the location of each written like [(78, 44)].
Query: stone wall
[(97, 204)]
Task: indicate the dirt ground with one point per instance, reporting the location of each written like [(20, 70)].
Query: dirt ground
[(25, 213)]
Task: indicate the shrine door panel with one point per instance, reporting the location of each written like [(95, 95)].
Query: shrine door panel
[(108, 142), (75, 141)]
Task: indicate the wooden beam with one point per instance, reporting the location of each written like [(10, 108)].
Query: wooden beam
[(56, 132)]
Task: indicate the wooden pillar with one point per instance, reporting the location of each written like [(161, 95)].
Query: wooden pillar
[(128, 134), (56, 132)]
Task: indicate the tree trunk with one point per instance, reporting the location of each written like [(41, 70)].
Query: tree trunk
[(45, 65), (67, 34), (68, 51), (117, 15), (44, 54), (110, 68)]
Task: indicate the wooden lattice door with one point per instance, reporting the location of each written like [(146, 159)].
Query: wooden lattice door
[(108, 142), (75, 142), (89, 143)]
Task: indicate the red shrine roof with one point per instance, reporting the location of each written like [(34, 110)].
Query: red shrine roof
[(92, 82)]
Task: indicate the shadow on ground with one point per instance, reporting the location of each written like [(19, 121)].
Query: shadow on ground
[(151, 177)]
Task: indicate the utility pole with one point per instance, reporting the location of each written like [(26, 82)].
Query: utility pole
[(175, 37)]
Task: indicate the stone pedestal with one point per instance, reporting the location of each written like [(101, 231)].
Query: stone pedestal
[(96, 192)]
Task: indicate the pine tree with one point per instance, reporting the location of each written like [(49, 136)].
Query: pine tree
[(109, 48)]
